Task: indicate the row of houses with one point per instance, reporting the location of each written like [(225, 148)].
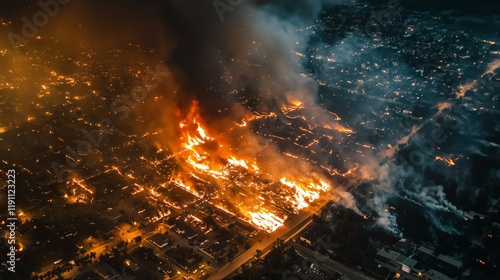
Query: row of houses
[(421, 262)]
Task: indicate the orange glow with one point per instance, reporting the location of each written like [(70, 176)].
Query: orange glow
[(296, 105), (180, 183), (238, 183), (193, 132), (237, 162), (304, 194), (153, 192), (83, 186), (244, 122), (339, 128), (81, 193), (333, 171), (448, 161), (265, 220)]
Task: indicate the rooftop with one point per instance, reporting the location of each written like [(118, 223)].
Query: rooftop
[(160, 240)]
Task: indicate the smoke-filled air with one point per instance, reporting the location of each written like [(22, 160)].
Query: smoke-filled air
[(249, 139)]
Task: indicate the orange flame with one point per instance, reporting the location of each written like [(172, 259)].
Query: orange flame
[(448, 161), (211, 160)]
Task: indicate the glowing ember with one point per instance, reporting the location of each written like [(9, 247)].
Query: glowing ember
[(296, 105), (82, 185), (265, 220), (153, 192), (254, 117), (448, 161), (340, 128), (303, 194), (237, 162), (192, 123), (210, 162), (178, 182)]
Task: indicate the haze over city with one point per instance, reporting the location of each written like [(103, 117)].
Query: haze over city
[(268, 139)]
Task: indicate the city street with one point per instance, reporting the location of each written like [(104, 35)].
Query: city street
[(330, 265), (290, 228)]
